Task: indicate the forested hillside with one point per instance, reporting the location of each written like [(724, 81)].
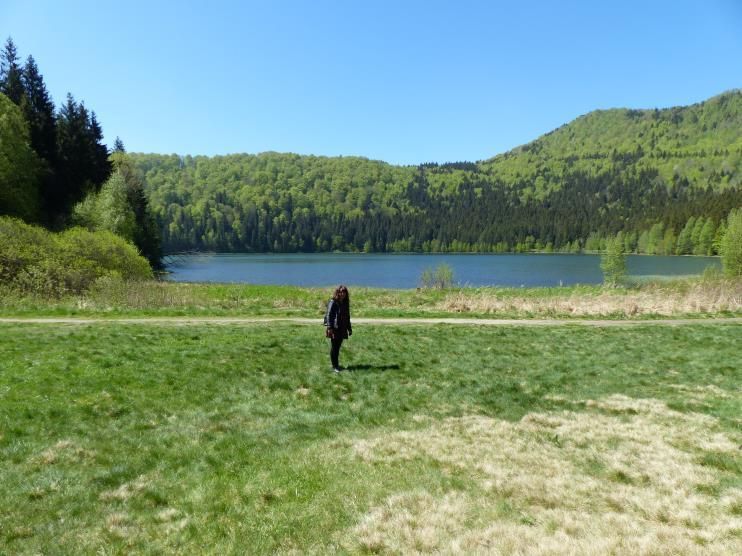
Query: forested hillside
[(666, 178), (658, 175), (698, 145)]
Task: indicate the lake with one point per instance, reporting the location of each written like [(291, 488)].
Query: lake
[(403, 270)]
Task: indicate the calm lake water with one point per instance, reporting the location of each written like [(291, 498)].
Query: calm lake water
[(403, 270)]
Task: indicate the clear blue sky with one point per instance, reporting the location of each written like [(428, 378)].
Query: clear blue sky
[(401, 81)]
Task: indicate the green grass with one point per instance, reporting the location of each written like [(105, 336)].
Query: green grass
[(171, 298), (234, 439), (116, 298)]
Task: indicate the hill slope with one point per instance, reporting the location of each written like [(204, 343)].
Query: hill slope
[(701, 143), (610, 170)]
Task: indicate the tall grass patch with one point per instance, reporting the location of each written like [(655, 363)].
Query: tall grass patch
[(113, 295)]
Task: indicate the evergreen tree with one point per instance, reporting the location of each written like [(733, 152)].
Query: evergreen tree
[(147, 236), (731, 245), (11, 74), (696, 236), (630, 242), (719, 235), (118, 146), (642, 245), (706, 239), (654, 242), (669, 242), (39, 112), (72, 150), (592, 243), (100, 167), (83, 163), (685, 241), (613, 262)]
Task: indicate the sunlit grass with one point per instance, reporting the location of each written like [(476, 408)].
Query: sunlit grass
[(718, 297), (129, 438)]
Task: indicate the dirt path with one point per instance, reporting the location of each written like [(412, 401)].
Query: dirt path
[(380, 321)]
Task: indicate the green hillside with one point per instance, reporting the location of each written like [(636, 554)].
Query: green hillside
[(701, 143), (609, 171)]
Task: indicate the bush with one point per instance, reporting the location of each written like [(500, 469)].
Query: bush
[(730, 246), (613, 261), (34, 260), (21, 246), (104, 251), (440, 278)]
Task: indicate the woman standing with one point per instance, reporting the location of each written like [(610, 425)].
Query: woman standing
[(337, 321)]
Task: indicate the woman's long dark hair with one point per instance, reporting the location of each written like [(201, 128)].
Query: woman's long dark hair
[(338, 290)]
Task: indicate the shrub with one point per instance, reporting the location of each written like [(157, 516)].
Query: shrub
[(21, 245), (440, 278), (34, 260), (613, 261), (104, 251)]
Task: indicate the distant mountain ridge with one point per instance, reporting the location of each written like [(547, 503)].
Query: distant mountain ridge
[(607, 171)]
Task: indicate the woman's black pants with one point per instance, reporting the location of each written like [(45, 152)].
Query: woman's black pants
[(335, 352)]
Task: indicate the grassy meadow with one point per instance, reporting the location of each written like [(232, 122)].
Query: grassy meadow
[(689, 297), (216, 439)]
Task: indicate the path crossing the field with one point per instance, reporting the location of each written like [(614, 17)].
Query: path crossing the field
[(180, 320)]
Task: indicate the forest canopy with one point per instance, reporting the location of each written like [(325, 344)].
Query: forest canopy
[(648, 173)]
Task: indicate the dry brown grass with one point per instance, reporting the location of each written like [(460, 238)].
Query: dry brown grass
[(114, 293), (132, 526), (699, 297), (286, 303), (120, 526), (620, 477), (63, 451), (126, 490)]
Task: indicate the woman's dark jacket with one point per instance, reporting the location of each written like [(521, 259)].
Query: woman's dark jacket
[(337, 317)]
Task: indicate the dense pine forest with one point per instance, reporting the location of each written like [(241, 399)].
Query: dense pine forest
[(666, 178)]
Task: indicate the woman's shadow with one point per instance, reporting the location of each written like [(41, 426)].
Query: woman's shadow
[(379, 368)]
